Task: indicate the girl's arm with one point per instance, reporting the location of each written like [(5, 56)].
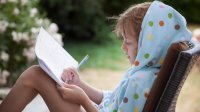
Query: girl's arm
[(89, 107), (94, 94), (75, 94), (71, 76)]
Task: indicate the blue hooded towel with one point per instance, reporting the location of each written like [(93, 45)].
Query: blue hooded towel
[(161, 26)]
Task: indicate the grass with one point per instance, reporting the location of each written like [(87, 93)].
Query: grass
[(189, 98), (108, 55)]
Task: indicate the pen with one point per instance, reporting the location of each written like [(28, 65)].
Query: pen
[(83, 61)]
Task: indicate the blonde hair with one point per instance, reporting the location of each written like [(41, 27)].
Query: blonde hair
[(131, 19)]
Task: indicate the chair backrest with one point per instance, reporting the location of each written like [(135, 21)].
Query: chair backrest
[(171, 77)]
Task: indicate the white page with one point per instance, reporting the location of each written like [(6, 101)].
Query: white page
[(53, 55)]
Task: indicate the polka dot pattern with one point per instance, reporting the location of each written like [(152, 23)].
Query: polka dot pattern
[(147, 55), (141, 76), (114, 110), (121, 110), (169, 15), (136, 63), (136, 109), (125, 100), (161, 61), (146, 93), (136, 96), (150, 64), (159, 28), (177, 27), (149, 37), (161, 23), (150, 23), (161, 6)]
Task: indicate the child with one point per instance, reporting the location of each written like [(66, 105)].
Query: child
[(147, 29)]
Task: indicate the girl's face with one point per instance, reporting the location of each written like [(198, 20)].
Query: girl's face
[(129, 46)]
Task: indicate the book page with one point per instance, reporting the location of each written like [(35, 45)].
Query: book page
[(53, 56)]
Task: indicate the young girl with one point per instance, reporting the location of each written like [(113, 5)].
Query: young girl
[(147, 29)]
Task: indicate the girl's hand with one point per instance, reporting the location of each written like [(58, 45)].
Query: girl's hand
[(71, 76), (73, 93)]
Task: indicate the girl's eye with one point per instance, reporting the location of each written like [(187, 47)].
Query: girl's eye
[(128, 43)]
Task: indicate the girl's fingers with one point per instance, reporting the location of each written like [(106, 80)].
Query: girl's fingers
[(67, 85), (73, 70), (70, 82), (68, 75), (63, 89), (63, 77)]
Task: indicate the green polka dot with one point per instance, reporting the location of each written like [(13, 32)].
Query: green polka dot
[(170, 15), (146, 56), (136, 96), (114, 110), (151, 23)]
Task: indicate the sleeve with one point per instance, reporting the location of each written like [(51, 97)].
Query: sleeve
[(133, 100), (106, 94), (135, 94)]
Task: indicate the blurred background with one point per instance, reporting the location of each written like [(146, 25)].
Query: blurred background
[(82, 27)]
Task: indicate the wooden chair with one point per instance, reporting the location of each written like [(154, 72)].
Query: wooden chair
[(179, 60)]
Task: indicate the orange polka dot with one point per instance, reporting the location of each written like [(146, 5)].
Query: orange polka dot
[(136, 63), (161, 23)]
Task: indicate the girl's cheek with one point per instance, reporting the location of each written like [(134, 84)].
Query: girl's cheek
[(134, 52)]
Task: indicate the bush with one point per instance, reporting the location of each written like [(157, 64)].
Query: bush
[(188, 8), (20, 21), (78, 19), (116, 7)]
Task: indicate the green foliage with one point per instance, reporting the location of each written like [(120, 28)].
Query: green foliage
[(19, 25), (86, 19), (188, 8), (78, 19), (116, 7)]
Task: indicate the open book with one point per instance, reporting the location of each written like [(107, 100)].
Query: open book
[(52, 57)]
